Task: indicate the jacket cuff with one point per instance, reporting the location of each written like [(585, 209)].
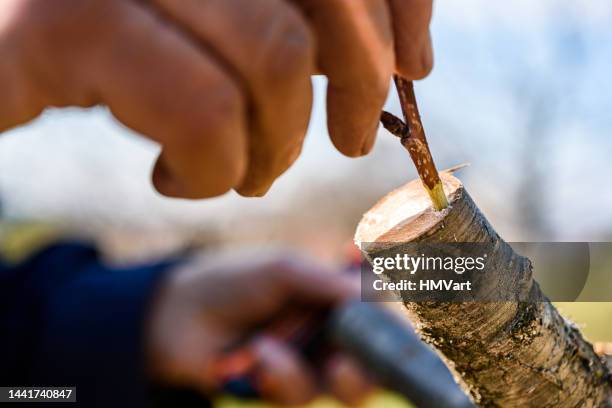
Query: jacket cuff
[(92, 334)]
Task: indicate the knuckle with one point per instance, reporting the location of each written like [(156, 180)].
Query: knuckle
[(290, 52), (57, 32), (225, 105), (67, 18)]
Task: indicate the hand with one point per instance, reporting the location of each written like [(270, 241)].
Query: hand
[(223, 85), (208, 306)]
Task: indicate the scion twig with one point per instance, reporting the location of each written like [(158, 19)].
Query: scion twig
[(412, 137)]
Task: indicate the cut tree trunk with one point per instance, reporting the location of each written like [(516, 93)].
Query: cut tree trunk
[(508, 354)]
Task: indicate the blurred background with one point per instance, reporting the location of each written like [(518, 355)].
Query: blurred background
[(521, 90)]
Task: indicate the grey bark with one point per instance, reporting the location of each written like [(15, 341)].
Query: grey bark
[(507, 354)]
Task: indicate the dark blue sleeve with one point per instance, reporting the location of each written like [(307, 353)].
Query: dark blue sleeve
[(66, 319)]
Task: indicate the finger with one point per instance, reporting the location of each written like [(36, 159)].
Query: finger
[(268, 45), (413, 50), (301, 280), (159, 83), (282, 376), (264, 286), (347, 381), (355, 51), (290, 279)]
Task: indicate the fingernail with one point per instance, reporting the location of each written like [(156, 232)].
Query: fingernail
[(368, 142)]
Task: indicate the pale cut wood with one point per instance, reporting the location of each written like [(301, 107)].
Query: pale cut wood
[(405, 213), (508, 354)]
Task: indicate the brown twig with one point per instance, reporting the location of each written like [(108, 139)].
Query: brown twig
[(412, 137)]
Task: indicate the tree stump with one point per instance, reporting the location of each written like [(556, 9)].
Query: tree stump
[(510, 353)]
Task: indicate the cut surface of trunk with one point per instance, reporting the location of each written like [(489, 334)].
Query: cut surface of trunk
[(509, 354)]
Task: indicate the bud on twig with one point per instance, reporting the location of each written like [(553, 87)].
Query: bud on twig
[(412, 137)]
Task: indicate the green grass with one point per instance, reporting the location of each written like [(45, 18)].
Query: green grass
[(593, 318)]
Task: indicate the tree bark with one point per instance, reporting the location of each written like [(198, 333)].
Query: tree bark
[(507, 354)]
